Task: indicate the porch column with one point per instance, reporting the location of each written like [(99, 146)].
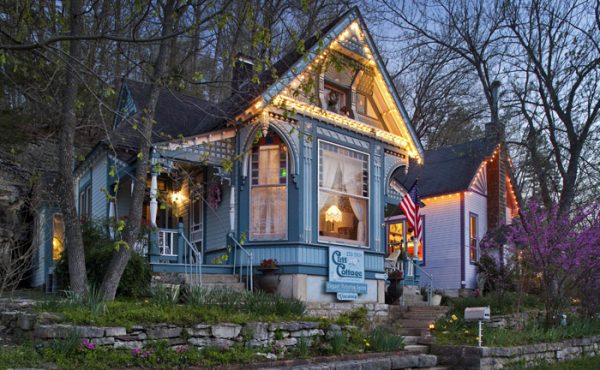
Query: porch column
[(153, 237), (232, 209)]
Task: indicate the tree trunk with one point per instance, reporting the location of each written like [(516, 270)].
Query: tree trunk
[(73, 239), (121, 257)]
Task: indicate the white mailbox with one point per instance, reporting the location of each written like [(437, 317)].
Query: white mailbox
[(477, 313)]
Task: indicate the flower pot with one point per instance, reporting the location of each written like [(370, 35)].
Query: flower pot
[(269, 280), (436, 299), (394, 291)]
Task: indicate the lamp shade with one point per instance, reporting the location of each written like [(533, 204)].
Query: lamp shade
[(333, 214)]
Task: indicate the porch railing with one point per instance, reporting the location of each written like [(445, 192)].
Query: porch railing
[(192, 261), (428, 286), (242, 264), (167, 242)]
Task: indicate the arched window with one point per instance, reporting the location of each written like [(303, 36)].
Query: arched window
[(268, 189)]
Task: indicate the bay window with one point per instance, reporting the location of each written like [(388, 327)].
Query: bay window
[(343, 194), (268, 189)]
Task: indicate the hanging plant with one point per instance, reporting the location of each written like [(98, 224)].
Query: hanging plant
[(214, 195)]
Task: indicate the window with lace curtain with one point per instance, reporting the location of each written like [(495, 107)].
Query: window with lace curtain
[(268, 189), (343, 194)]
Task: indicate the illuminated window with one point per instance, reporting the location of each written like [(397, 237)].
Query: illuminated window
[(473, 243), (336, 99), (402, 236), (58, 237), (268, 193), (343, 194)]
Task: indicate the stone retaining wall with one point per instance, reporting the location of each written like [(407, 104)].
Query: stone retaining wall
[(375, 311), (45, 326), (513, 321), (488, 358)]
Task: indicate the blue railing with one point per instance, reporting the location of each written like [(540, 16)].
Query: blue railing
[(248, 265)]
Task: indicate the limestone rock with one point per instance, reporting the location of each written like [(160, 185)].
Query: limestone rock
[(115, 331), (161, 332), (226, 331)]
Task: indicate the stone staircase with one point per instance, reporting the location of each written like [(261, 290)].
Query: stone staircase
[(211, 281)]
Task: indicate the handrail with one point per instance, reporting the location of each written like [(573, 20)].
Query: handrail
[(430, 288), (249, 266), (193, 269), (430, 284)]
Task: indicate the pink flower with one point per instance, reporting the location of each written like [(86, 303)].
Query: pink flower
[(88, 345)]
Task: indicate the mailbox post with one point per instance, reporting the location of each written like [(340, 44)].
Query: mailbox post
[(479, 314)]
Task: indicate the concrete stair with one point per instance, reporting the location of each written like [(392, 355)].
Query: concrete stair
[(413, 321), (218, 281), (210, 281)]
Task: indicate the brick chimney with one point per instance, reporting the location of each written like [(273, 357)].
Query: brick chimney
[(242, 72)]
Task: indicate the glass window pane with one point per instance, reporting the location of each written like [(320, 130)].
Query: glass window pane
[(269, 213)]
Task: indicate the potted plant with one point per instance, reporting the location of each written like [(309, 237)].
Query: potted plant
[(394, 291), (269, 280)]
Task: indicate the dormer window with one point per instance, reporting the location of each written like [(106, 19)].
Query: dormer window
[(337, 99)]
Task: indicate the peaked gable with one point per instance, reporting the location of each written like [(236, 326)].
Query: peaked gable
[(348, 35)]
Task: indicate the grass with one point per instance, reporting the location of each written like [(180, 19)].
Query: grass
[(449, 331), (158, 356), (585, 363), (500, 303), (204, 306)]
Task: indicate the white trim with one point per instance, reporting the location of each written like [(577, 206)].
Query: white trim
[(332, 240)]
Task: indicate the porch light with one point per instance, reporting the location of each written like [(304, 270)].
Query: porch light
[(177, 197), (57, 248), (333, 214)]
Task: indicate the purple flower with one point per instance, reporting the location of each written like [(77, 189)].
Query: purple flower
[(87, 344)]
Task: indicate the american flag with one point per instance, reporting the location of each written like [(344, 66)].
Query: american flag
[(410, 207)]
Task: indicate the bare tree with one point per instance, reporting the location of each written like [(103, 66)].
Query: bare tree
[(557, 64)]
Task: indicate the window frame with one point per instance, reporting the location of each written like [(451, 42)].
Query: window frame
[(251, 237), (473, 249), (402, 219), (85, 192), (333, 240)]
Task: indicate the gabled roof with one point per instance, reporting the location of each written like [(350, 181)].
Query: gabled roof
[(179, 114), (447, 170)]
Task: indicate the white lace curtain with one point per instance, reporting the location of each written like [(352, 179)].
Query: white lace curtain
[(269, 199)]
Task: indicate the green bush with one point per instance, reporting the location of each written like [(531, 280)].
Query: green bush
[(383, 339), (500, 303), (99, 249), (356, 317)]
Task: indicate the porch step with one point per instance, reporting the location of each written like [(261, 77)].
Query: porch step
[(418, 324), (417, 348), (411, 339), (217, 281)]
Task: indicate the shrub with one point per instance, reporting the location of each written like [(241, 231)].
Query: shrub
[(99, 249), (357, 317), (165, 295), (382, 339)]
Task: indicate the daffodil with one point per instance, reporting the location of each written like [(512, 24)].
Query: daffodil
[(454, 318)]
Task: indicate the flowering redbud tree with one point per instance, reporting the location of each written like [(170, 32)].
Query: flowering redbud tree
[(563, 251)]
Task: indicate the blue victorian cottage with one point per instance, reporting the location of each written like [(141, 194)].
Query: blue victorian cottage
[(296, 169)]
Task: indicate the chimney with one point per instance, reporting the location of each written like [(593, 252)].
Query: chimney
[(242, 72), (494, 131)]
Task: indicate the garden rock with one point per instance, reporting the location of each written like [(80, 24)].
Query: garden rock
[(115, 332), (26, 321), (307, 333), (103, 341), (199, 342), (427, 360), (402, 362), (260, 330), (161, 332), (199, 330), (226, 331), (128, 345), (287, 342), (46, 318), (53, 331), (89, 331)]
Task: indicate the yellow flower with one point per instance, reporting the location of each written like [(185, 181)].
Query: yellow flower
[(454, 318), (146, 301), (367, 344)]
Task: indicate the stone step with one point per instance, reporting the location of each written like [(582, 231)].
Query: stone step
[(416, 348), (232, 286), (217, 278), (411, 339), (410, 331), (428, 308), (422, 324)]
